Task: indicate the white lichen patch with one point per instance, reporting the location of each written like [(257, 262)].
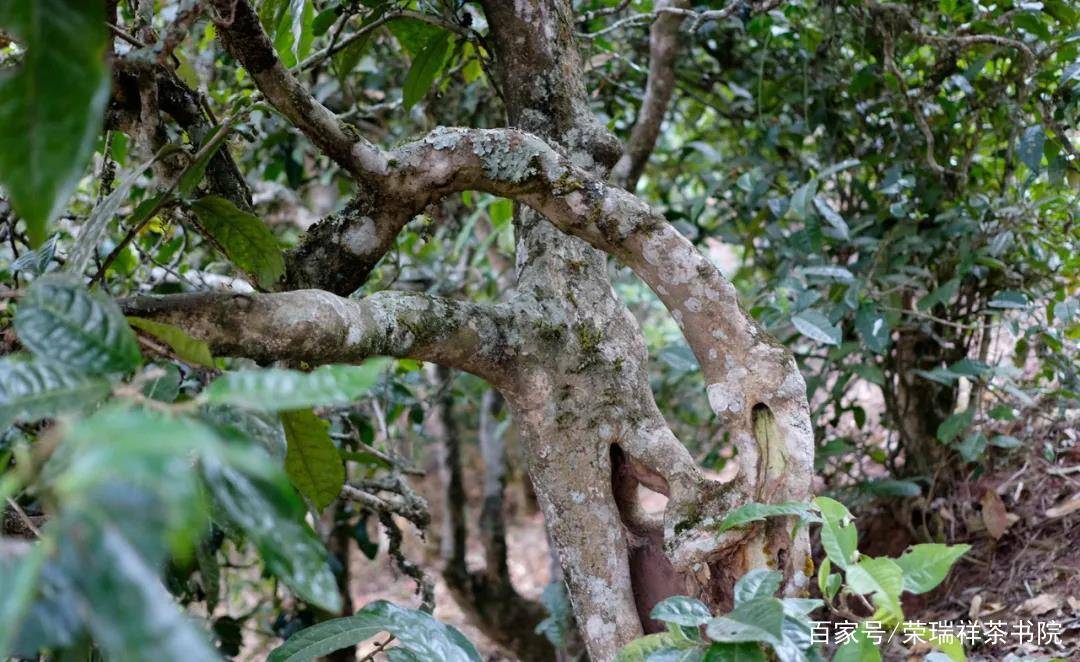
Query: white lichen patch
[(360, 238), (503, 161), (598, 629), (722, 399), (728, 395), (693, 304), (444, 138)]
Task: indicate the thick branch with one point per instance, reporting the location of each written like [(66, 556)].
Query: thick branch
[(318, 327), (242, 35)]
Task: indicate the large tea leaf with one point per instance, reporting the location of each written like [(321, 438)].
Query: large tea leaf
[(839, 537), (311, 460), (269, 515), (427, 65), (51, 105), (126, 607), (277, 389), (61, 320), (242, 237), (20, 565), (681, 610), (417, 632), (31, 389)]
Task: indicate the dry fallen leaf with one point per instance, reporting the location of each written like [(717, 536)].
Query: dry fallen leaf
[(994, 515), (1041, 604), (1064, 508), (976, 605)]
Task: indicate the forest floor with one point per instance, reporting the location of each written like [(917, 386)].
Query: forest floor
[(1021, 516)]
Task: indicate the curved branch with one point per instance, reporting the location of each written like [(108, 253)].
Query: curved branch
[(663, 49), (242, 35), (318, 327), (754, 385)]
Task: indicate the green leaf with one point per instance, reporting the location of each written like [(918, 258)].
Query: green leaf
[(60, 320), (799, 208), (294, 34), (270, 516), (758, 583), (416, 632), (835, 273), (324, 21), (163, 382), (758, 620), (954, 425), (828, 582), (756, 512), (36, 261), (1030, 149), (831, 216), (672, 654), (413, 34), (311, 460), (243, 238), (858, 649), (93, 229), (681, 610), (660, 643), (20, 566), (883, 579), (425, 68), (744, 652), (838, 535), (31, 390), (51, 105), (1069, 73), (925, 566), (1005, 441), (812, 324), (145, 624), (275, 389), (189, 349), (875, 330), (942, 294), (195, 171), (972, 447), (1009, 299)]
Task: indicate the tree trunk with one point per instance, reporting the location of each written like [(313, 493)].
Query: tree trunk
[(564, 351)]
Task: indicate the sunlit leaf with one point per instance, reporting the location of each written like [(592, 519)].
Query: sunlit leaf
[(925, 566), (189, 349)]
